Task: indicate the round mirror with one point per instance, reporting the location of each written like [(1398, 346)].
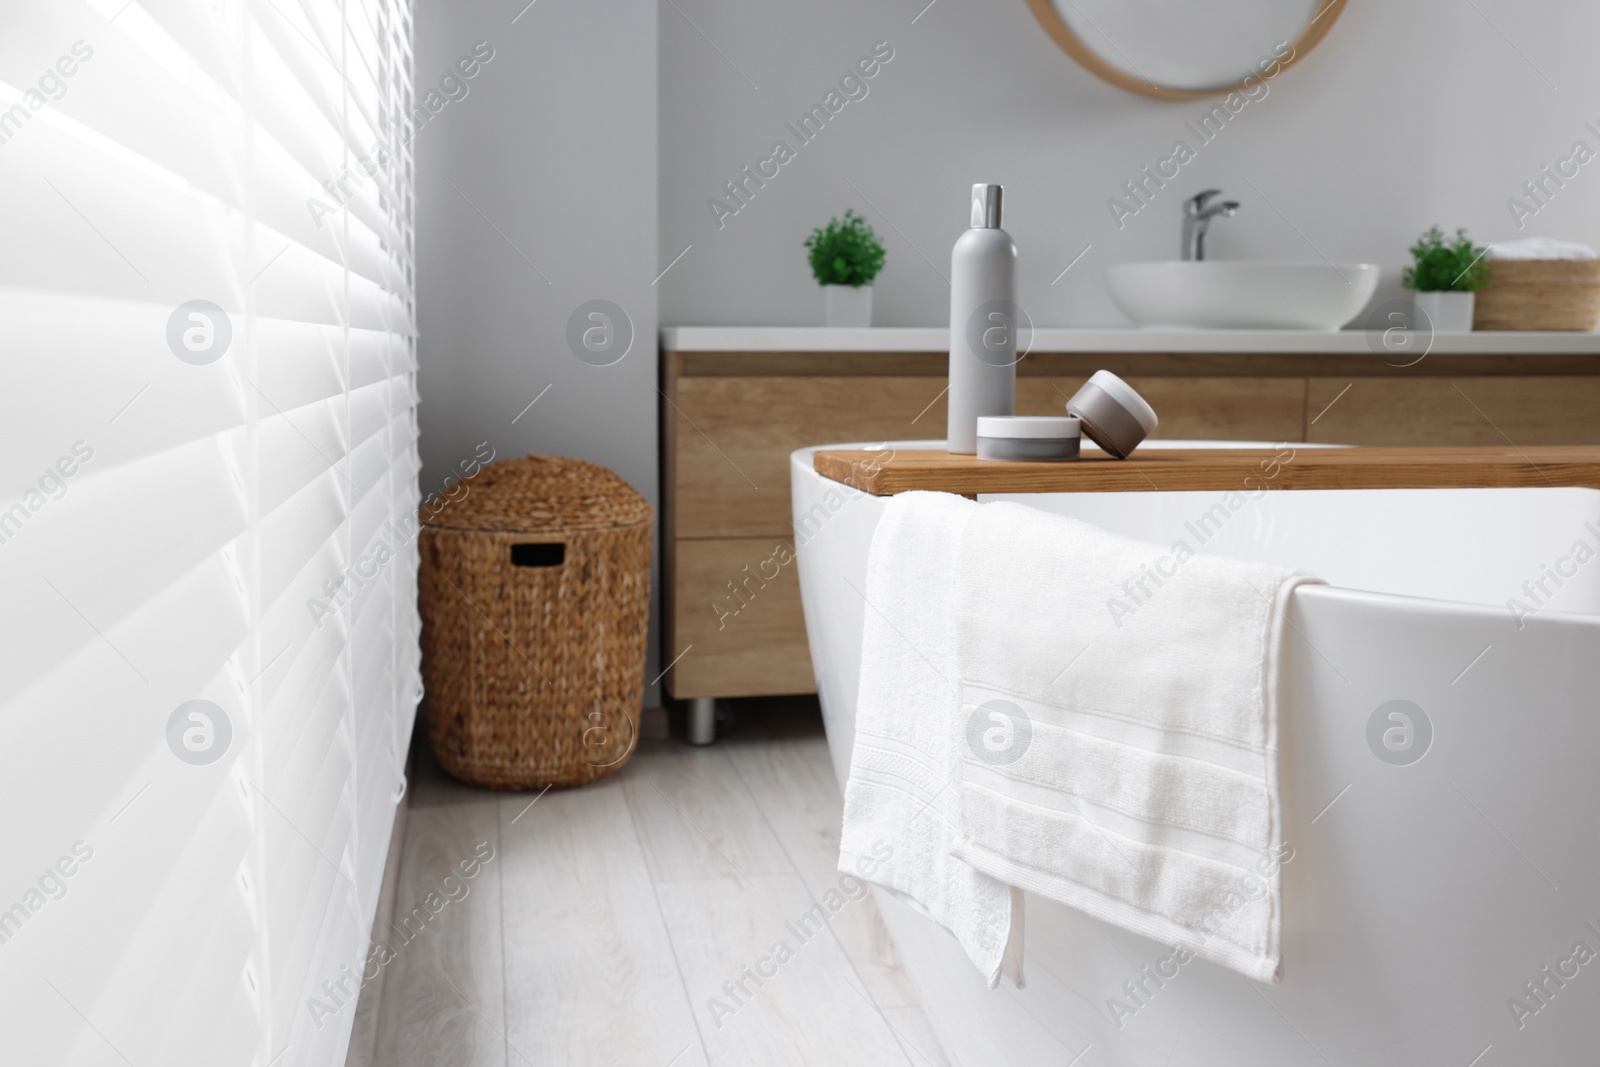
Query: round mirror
[(1182, 49)]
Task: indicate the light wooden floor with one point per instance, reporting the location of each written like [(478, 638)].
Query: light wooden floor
[(612, 915)]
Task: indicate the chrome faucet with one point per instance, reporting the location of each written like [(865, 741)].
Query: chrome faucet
[(1197, 217)]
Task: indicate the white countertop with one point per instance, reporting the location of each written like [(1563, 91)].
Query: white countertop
[(1058, 339)]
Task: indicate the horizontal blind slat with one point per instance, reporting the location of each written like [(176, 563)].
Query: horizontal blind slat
[(185, 555)]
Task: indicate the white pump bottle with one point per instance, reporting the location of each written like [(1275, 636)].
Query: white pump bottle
[(983, 323)]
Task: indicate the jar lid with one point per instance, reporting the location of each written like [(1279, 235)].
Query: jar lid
[(539, 494), (1029, 427)]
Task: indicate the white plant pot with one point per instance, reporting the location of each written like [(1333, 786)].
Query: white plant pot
[(847, 305), (1448, 312)]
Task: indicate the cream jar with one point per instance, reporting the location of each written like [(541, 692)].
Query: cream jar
[(1027, 438), (1114, 416)]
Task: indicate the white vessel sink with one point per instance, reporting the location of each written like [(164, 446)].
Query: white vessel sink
[(1222, 295)]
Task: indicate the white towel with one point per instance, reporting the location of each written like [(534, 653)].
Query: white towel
[(1130, 767), (1540, 248), (902, 788)]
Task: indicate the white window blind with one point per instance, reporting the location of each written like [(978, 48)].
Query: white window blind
[(207, 490)]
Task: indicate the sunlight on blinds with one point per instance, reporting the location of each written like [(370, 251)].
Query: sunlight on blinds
[(207, 495)]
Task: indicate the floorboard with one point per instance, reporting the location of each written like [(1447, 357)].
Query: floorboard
[(695, 817), (591, 977), (792, 782), (604, 928), (770, 986), (442, 995)]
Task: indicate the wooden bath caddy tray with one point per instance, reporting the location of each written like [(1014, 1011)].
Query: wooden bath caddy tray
[(1287, 467)]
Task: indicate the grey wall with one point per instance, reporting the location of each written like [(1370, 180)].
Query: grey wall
[(547, 164), (1406, 114)]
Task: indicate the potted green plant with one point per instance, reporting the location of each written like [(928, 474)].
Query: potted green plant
[(1444, 274), (845, 256)]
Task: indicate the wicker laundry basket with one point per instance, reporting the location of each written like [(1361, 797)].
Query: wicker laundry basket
[(1539, 294), (534, 590)]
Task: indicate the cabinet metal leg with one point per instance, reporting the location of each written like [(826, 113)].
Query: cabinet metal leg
[(702, 721)]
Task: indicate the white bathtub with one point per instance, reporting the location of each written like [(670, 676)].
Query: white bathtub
[(1420, 898)]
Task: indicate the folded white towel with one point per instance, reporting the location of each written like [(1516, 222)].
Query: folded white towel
[(1539, 248), (1119, 701), (903, 769)]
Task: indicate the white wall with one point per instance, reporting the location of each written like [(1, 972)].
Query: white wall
[(555, 144), (1405, 115)]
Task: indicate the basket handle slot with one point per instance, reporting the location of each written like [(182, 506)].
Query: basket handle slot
[(539, 554)]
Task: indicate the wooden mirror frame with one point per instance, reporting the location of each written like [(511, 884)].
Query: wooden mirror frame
[(1316, 26)]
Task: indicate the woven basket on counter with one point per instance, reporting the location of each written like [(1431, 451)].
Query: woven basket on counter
[(534, 591), (1539, 294)]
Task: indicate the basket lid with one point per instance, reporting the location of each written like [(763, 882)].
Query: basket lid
[(538, 494)]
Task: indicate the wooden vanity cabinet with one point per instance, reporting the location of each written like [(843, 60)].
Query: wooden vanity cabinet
[(730, 419)]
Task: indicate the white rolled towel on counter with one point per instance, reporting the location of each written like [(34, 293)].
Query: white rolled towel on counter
[(1539, 248)]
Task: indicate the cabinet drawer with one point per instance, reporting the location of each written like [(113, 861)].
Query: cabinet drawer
[(737, 602), (733, 436), (1455, 411)]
